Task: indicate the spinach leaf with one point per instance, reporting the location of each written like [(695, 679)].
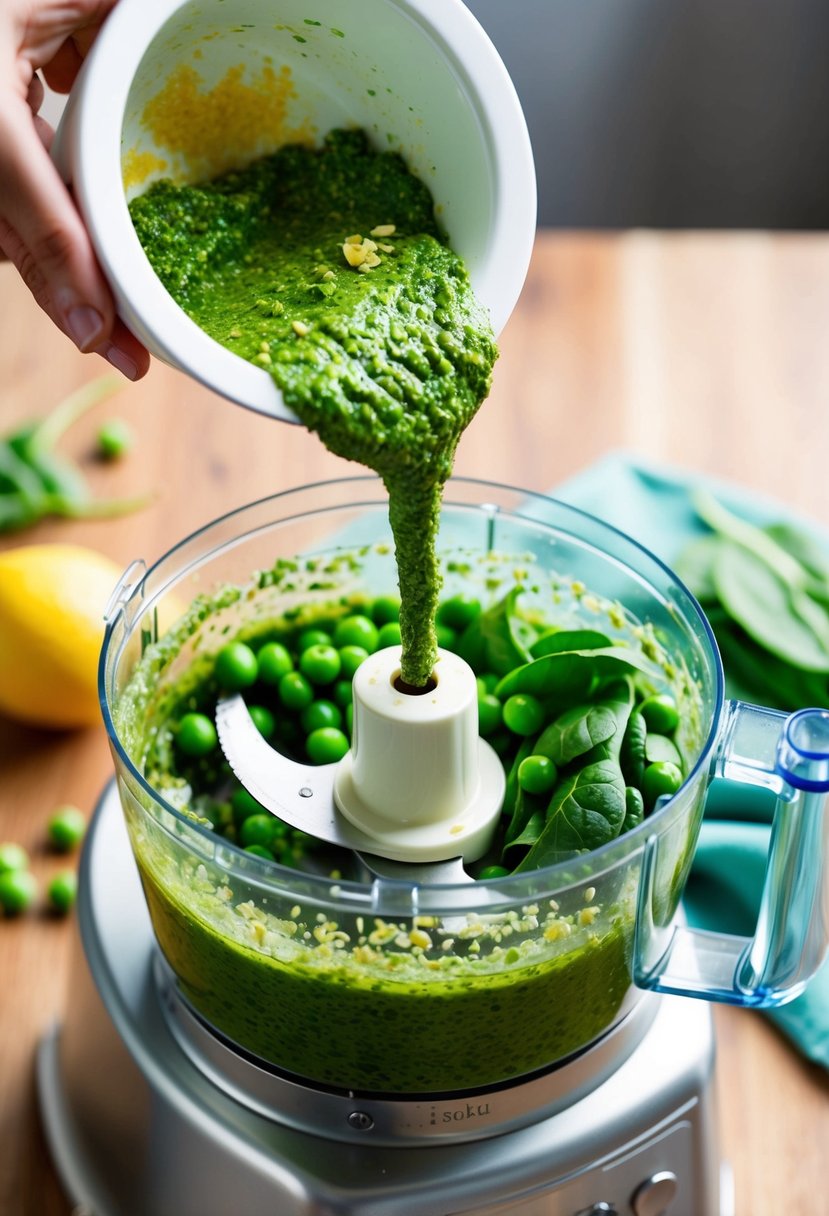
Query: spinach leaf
[(573, 673), (632, 753), (575, 732), (695, 566), (761, 602), (801, 546), (587, 807), (586, 811), (533, 826), (557, 640), (500, 638), (514, 804), (740, 532), (634, 809)]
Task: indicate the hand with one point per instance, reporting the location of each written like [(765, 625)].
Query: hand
[(41, 231)]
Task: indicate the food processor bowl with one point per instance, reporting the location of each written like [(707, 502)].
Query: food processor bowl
[(187, 89), (384, 986)]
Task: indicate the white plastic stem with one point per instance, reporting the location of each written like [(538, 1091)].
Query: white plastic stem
[(417, 776)]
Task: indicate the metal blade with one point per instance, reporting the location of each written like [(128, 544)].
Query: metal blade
[(303, 796)]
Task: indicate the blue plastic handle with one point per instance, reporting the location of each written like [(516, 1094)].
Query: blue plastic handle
[(790, 756)]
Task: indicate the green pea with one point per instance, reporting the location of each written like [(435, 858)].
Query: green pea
[(385, 610), (537, 774), (260, 850), (350, 659), (326, 745), (196, 735), (66, 828), (389, 635), (62, 891), (458, 612), (244, 805), (356, 631), (18, 891), (295, 692), (257, 829), (264, 720), (320, 714), (313, 637), (660, 713), (493, 872), (660, 778), (114, 439), (490, 714), (523, 714), (13, 857), (236, 667), (320, 664), (274, 662)]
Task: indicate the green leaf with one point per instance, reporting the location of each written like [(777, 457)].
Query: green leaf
[(576, 732), (513, 802), (532, 828), (804, 548), (557, 640), (587, 806), (632, 752), (761, 602), (572, 674), (499, 639), (634, 809), (586, 811), (755, 540), (695, 566)]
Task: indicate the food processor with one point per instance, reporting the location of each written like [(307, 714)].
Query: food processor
[(246, 1037)]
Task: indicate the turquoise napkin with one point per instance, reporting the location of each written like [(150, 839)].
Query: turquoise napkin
[(653, 506)]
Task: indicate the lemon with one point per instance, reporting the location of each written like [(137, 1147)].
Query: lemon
[(52, 601)]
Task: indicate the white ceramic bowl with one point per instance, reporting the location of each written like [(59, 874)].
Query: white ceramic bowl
[(420, 76)]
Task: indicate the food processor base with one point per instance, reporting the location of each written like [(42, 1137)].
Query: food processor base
[(137, 1128)]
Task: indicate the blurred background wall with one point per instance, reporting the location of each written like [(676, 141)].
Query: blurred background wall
[(672, 113)]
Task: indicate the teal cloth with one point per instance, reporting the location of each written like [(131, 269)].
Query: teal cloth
[(653, 506)]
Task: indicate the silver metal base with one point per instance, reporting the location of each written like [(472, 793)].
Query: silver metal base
[(142, 1123)]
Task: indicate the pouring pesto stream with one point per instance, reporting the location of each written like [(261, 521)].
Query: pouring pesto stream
[(327, 268)]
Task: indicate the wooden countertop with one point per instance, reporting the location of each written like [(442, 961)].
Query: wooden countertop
[(706, 352)]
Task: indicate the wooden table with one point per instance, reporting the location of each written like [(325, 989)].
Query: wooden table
[(707, 352)]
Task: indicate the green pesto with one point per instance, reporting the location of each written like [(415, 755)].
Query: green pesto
[(391, 1025), (387, 366)]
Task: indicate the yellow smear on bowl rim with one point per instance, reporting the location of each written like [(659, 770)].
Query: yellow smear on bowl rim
[(137, 166), (207, 131)]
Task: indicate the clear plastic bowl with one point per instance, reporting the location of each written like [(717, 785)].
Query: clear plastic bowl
[(388, 987)]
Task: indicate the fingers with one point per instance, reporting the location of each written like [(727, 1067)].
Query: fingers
[(63, 67), (34, 98), (126, 353), (42, 233)]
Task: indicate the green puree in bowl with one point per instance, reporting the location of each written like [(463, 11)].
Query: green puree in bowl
[(399, 1020), (376, 341)]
